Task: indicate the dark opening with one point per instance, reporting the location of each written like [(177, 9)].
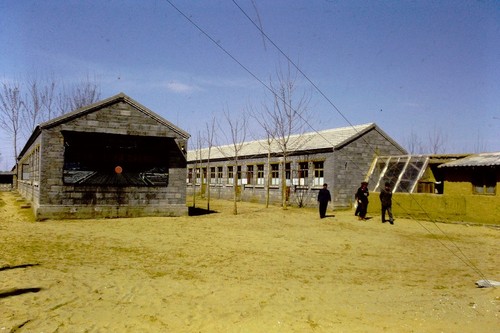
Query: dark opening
[(111, 159)]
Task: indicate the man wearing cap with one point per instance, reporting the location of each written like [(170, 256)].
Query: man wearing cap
[(386, 202)]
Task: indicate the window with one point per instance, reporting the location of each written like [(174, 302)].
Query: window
[(220, 175), (260, 174), (204, 175), (484, 183), (250, 174), (275, 174), (303, 173), (190, 176), (230, 175), (198, 176), (25, 171), (238, 174), (288, 173), (212, 175), (319, 177)]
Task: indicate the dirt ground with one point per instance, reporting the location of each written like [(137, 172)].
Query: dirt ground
[(263, 270)]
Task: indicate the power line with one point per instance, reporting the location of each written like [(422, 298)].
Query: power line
[(258, 27), (464, 259)]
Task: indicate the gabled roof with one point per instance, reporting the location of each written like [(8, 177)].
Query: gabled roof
[(313, 141), (121, 97), (484, 159)]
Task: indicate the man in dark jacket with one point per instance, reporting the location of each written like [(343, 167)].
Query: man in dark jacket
[(323, 198), (361, 197), (386, 201)]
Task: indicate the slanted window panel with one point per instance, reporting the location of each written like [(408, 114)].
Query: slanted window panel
[(118, 160), (220, 175), (401, 171), (230, 175), (303, 173), (260, 174), (484, 182), (250, 175), (319, 177), (275, 174)]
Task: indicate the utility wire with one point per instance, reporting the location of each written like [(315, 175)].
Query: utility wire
[(465, 259)]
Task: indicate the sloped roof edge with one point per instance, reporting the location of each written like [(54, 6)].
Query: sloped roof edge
[(92, 107), (334, 138), (108, 101), (475, 160)]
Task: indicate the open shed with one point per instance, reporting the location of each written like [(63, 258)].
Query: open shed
[(114, 158)]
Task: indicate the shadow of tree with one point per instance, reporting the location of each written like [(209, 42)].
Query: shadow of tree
[(5, 268), (16, 292), (196, 211)]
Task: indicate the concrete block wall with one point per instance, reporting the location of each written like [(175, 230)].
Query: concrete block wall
[(344, 169), (58, 200)]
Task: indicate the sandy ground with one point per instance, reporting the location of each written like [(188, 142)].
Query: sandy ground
[(264, 270)]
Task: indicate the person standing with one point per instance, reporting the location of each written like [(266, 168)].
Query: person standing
[(361, 197), (323, 198), (386, 202)]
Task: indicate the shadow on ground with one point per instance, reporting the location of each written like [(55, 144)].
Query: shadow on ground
[(196, 211)]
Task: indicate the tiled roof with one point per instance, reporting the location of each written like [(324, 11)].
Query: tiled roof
[(326, 139), (484, 159)]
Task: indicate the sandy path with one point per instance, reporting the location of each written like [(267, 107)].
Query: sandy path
[(264, 270)]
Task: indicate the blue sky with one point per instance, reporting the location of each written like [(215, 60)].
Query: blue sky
[(409, 66)]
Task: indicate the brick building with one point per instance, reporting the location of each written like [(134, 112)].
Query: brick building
[(114, 158), (340, 157)]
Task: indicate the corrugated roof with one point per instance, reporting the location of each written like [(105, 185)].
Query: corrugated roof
[(326, 139), (484, 159)]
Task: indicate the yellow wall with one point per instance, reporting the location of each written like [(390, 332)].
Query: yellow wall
[(454, 207)]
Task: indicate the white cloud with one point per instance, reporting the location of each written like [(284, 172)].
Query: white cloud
[(178, 87)]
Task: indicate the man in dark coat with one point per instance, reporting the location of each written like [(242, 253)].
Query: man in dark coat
[(386, 202), (323, 198), (361, 197)]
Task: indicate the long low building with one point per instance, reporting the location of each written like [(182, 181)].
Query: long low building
[(340, 157)]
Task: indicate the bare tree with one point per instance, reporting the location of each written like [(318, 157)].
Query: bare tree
[(414, 144), (210, 128), (78, 95), (197, 160), (237, 135), (11, 106), (437, 141), (38, 103), (286, 117), (480, 145), (24, 106), (269, 132)]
